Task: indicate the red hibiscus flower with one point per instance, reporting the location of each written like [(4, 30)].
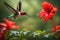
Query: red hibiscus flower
[(48, 11), (7, 26), (10, 24), (55, 29)]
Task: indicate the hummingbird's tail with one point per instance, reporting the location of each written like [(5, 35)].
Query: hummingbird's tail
[(10, 16)]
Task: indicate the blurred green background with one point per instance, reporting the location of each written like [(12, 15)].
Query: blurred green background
[(32, 7)]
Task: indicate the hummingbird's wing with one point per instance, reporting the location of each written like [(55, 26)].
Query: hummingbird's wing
[(19, 6), (10, 8)]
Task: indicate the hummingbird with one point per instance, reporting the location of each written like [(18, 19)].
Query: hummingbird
[(16, 12)]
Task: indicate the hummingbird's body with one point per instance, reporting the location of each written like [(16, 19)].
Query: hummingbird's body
[(19, 14), (15, 12)]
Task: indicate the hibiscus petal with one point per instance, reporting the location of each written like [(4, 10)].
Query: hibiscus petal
[(8, 23), (54, 30), (41, 14), (14, 26), (58, 27), (51, 14), (2, 25), (46, 18), (2, 30), (54, 10), (45, 5)]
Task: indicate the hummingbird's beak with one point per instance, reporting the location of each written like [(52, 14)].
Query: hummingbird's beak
[(27, 15)]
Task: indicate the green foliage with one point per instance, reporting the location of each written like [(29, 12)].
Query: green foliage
[(24, 34)]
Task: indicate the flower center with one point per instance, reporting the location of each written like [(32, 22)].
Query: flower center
[(48, 11)]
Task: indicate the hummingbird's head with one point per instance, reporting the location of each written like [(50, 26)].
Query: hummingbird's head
[(23, 13)]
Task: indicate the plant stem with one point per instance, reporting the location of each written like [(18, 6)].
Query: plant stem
[(53, 22)]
